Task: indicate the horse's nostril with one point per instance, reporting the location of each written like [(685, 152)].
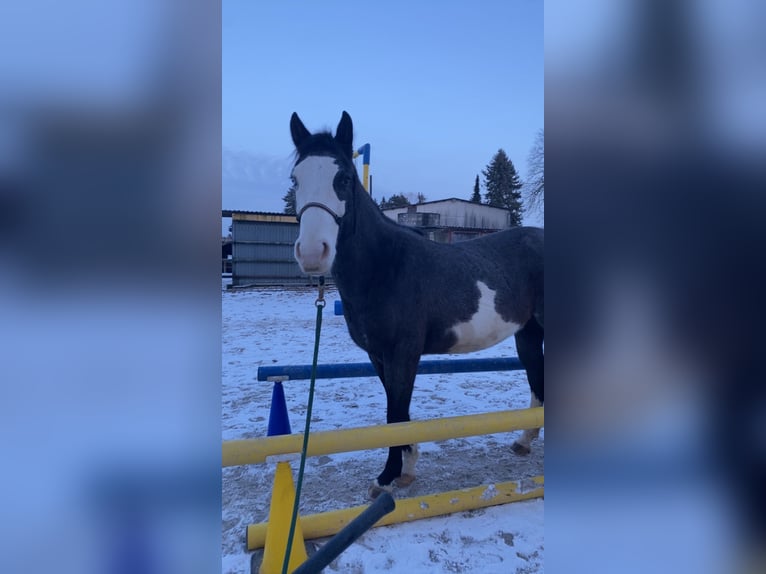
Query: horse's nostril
[(325, 250), (298, 249)]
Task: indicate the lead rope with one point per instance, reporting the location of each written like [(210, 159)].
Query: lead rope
[(320, 303)]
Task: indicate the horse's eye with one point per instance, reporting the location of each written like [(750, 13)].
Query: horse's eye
[(342, 181)]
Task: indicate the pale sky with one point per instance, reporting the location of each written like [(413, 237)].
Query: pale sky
[(435, 88)]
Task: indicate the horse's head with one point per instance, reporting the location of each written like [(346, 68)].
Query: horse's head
[(324, 177)]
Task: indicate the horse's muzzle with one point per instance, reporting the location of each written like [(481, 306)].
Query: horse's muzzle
[(313, 258)]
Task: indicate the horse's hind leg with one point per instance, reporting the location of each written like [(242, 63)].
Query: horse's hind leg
[(522, 446), (529, 345), (398, 379)]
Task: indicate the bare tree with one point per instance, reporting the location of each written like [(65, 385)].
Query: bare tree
[(535, 184)]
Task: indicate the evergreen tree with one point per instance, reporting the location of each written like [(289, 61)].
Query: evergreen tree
[(421, 198), (396, 200), (289, 200), (503, 186), (476, 197)]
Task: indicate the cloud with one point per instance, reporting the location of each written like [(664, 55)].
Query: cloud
[(254, 182)]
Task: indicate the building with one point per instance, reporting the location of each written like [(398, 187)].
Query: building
[(452, 220), (226, 253), (262, 249)]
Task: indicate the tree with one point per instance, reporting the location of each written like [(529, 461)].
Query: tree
[(421, 198), (535, 184), (396, 200), (503, 186), (289, 199), (476, 197)]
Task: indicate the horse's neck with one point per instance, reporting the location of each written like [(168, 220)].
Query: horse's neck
[(365, 249)]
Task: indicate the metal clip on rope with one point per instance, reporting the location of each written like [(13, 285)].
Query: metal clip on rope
[(320, 302)]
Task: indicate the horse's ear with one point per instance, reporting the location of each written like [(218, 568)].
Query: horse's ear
[(344, 134), (298, 130)]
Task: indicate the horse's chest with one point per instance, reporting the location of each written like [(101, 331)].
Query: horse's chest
[(373, 331), (485, 328), (357, 329), (359, 336)]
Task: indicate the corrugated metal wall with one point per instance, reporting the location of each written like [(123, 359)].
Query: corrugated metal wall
[(262, 254), (457, 213)]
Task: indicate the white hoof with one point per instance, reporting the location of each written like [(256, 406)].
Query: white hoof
[(376, 489), (404, 480)]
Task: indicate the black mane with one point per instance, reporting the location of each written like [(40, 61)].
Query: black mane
[(321, 144)]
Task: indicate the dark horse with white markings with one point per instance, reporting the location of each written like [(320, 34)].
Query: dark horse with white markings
[(404, 295)]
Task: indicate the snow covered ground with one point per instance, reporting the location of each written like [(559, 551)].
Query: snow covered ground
[(276, 327)]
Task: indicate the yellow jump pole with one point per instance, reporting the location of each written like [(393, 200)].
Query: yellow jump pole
[(252, 451), (409, 509)]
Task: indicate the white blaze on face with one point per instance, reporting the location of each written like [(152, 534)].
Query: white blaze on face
[(485, 328), (315, 247)]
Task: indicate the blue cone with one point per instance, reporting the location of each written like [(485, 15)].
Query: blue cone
[(279, 423)]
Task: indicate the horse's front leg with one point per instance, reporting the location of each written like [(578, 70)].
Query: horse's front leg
[(398, 377)]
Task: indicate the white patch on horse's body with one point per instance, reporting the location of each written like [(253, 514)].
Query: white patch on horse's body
[(485, 328), (315, 246)]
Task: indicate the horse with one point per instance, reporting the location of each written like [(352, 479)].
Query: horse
[(405, 295)]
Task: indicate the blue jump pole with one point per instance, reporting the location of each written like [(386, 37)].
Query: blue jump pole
[(348, 370), (343, 539)]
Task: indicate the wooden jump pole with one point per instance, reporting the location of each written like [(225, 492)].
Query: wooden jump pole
[(253, 451)]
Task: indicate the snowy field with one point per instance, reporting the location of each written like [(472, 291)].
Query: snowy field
[(276, 327)]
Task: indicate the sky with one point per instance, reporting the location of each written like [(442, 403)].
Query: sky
[(434, 88)]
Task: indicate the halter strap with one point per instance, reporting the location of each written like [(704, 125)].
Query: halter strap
[(335, 216)]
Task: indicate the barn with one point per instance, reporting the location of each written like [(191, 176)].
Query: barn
[(262, 249), (452, 220), (262, 242)]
